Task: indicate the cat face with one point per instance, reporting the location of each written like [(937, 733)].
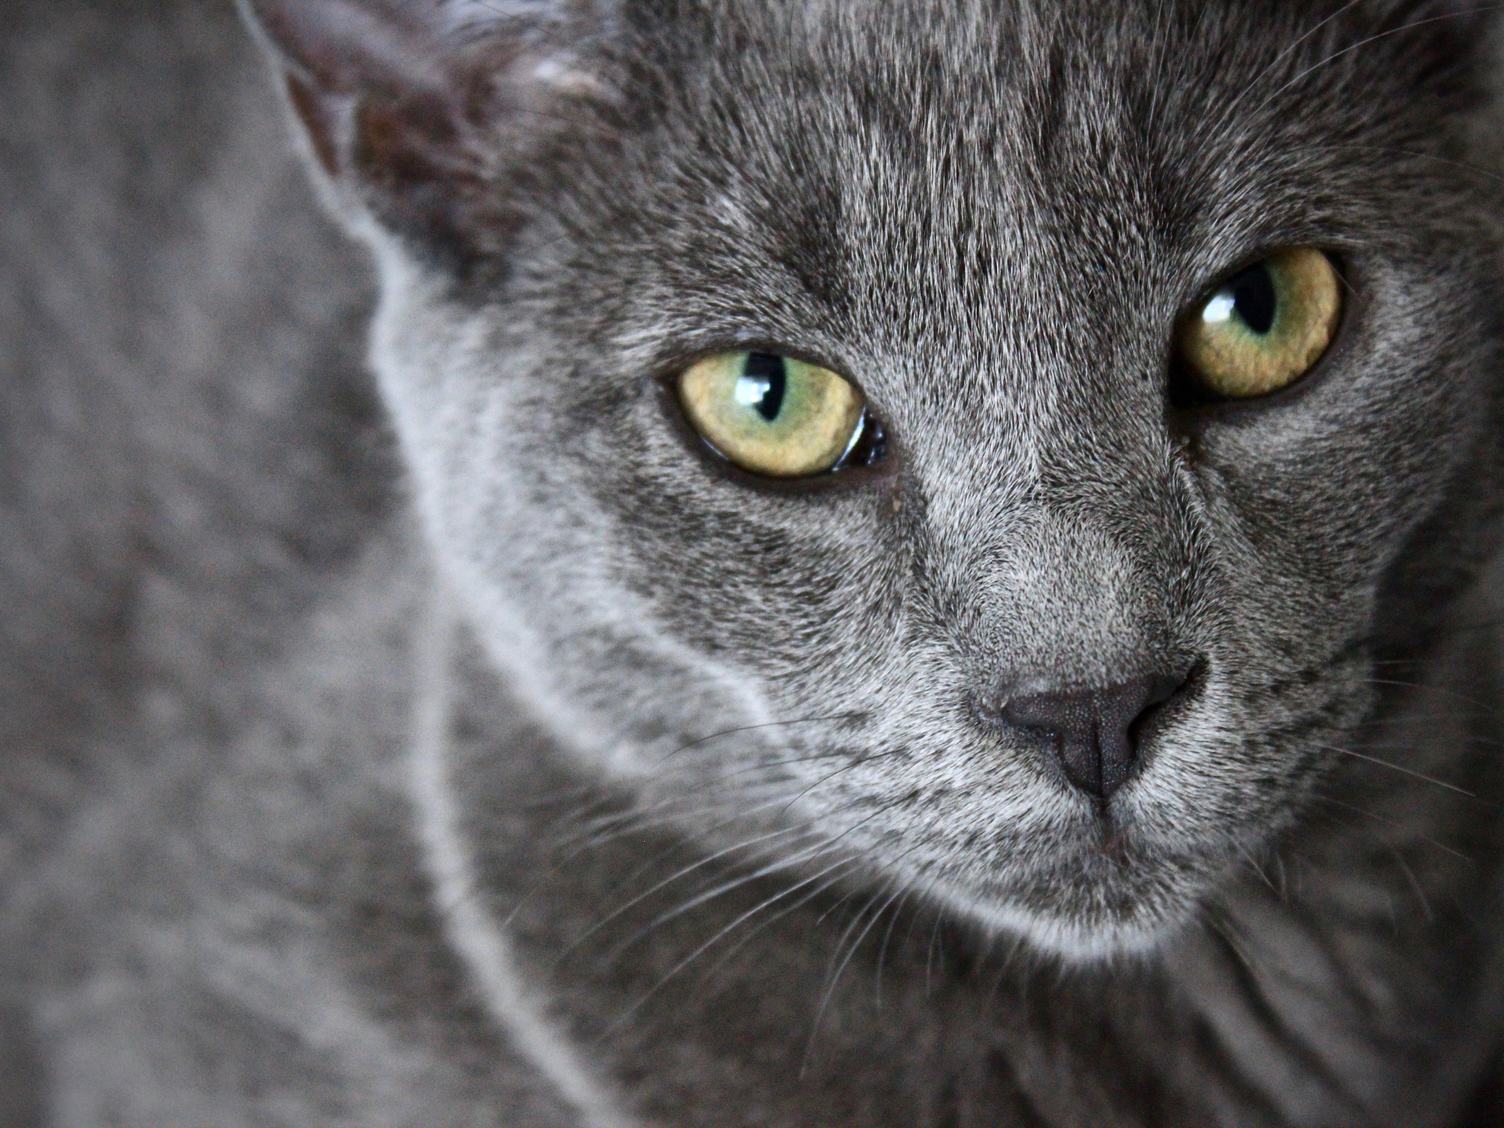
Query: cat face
[(1074, 636)]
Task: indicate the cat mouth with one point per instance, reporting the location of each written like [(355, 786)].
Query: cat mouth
[(1086, 928), (1112, 892), (1112, 842)]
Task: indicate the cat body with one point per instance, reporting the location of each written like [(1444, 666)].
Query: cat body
[(485, 758)]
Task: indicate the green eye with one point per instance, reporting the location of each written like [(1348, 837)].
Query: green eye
[(1265, 327), (773, 415)]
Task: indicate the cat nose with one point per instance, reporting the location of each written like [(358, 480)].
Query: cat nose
[(1094, 732)]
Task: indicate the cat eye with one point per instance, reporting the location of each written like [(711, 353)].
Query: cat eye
[(1263, 328), (776, 416)]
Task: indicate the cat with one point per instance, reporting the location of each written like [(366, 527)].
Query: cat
[(898, 564)]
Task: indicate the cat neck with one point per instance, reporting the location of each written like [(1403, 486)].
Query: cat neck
[(1341, 969)]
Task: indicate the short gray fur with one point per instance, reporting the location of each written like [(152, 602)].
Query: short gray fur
[(459, 748)]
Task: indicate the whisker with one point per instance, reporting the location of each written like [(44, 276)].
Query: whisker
[(715, 780), (830, 989), (748, 937), (671, 812), (882, 951), (1391, 150), (1391, 848), (758, 727), (929, 952), (1334, 56), (715, 891), (1223, 929), (836, 907), (1289, 49), (1420, 893), (1443, 847), (1253, 864), (857, 762), (1468, 740), (1410, 717), (547, 800), (1440, 689), (626, 1015), (701, 863), (809, 759), (1401, 768), (633, 827)]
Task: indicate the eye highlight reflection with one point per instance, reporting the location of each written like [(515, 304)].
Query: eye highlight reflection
[(775, 416), (1263, 328)]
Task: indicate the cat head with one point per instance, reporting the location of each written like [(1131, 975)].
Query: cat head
[(980, 445)]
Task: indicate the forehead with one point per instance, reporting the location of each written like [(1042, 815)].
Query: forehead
[(975, 205), (950, 145)]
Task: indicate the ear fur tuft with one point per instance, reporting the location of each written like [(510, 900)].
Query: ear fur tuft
[(412, 107)]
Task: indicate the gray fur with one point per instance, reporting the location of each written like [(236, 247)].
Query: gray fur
[(560, 778)]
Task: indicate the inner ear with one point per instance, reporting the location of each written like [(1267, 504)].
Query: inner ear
[(334, 52), (320, 123), (418, 112)]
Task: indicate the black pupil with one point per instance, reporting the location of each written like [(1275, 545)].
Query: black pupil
[(1254, 298), (765, 377)]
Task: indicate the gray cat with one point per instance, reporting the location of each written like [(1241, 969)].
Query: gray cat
[(916, 564)]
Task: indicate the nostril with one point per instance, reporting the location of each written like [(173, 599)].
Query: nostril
[(1165, 692), (1161, 689), (1094, 733), (1050, 712)]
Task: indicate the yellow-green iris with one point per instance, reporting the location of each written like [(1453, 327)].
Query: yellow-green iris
[(1265, 327), (771, 414)]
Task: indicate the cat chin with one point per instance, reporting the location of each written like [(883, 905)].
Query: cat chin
[(1067, 938)]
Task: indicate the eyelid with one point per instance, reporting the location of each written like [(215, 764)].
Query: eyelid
[(1195, 413), (850, 479), (669, 362), (816, 416)]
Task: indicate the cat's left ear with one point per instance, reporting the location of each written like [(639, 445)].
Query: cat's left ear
[(421, 115)]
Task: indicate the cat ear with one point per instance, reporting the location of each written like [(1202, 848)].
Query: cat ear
[(418, 112)]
